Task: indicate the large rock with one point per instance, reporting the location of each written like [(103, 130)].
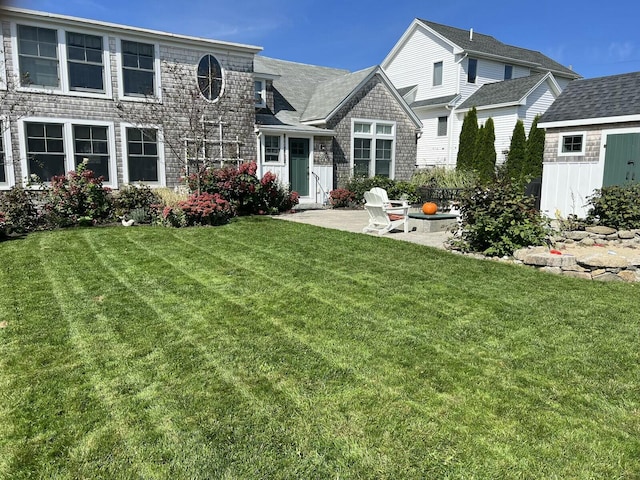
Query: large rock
[(577, 234), (587, 241), (521, 253), (549, 260), (603, 260), (628, 276), (582, 275), (601, 230), (626, 234), (608, 277)]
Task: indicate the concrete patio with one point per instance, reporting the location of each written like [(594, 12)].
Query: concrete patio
[(355, 220)]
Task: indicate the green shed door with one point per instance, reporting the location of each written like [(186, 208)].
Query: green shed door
[(622, 159), (299, 165)]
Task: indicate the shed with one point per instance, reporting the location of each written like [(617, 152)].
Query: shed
[(592, 141)]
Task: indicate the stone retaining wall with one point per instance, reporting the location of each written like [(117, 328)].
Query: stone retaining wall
[(605, 265)]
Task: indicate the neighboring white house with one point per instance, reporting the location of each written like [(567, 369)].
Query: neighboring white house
[(444, 71), (592, 140)]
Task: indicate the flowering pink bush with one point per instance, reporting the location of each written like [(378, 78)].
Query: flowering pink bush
[(78, 195), (204, 209), (242, 188), (341, 197)]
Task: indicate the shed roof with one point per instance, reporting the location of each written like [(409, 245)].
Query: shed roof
[(597, 98)]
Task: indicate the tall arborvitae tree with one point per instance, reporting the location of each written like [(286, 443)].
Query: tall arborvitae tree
[(467, 144), (535, 150), (485, 163), (514, 165)]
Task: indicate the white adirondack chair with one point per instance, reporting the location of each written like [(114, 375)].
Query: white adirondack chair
[(384, 219), (385, 198)]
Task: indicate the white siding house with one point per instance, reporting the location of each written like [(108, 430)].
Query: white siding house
[(446, 71)]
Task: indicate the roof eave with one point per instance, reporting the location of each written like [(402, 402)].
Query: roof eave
[(144, 32), (581, 122)]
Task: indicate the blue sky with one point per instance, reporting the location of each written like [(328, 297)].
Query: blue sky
[(356, 35)]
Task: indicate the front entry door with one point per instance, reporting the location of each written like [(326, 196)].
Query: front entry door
[(622, 159), (299, 165)]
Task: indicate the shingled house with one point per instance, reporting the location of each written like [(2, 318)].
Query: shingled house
[(319, 126), (75, 89), (592, 140), (444, 71)]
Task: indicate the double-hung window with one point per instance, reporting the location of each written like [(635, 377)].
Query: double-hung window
[(45, 150), (138, 72), (508, 72), (143, 163), (91, 145), (85, 62), (271, 148), (38, 56), (373, 148)]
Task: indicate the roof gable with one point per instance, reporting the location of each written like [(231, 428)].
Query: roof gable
[(597, 98), (483, 45)]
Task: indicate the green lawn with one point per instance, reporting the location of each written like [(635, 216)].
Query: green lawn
[(268, 349)]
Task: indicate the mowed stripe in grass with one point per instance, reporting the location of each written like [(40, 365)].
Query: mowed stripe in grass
[(265, 349)]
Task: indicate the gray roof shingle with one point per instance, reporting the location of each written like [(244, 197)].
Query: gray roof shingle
[(432, 102), (603, 97), (491, 46), (329, 94), (507, 91)]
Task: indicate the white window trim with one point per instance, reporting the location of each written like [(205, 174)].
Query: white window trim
[(263, 92), (63, 68), (162, 177), (446, 123), (281, 153), (374, 136), (561, 136), (3, 62), (67, 138), (156, 72), (5, 131)]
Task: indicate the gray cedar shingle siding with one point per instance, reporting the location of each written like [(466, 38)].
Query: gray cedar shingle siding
[(236, 104), (489, 45), (373, 101), (603, 97)]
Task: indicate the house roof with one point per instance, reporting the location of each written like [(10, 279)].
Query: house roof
[(604, 98), (507, 92), (305, 94), (129, 30), (487, 45), (331, 93), (295, 84)]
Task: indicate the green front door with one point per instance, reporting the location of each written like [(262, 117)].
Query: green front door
[(622, 159), (299, 165)]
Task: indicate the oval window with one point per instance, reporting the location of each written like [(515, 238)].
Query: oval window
[(209, 77)]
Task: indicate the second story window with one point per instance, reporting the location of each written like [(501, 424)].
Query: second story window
[(472, 70), (138, 68), (259, 93), (38, 56), (437, 74), (84, 60), (210, 77), (508, 72)]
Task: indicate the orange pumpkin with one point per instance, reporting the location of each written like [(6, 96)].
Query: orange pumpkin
[(429, 208)]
